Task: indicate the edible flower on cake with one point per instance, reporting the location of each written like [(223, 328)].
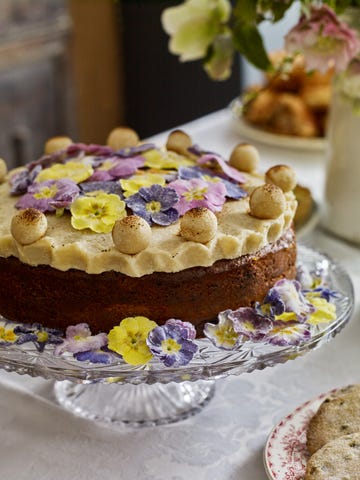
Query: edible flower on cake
[(129, 339)]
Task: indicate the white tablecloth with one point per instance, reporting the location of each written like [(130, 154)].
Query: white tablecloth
[(39, 440)]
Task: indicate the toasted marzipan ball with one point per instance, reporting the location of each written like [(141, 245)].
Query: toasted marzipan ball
[(244, 157), (3, 170), (178, 141), (198, 225), (122, 137), (28, 226), (131, 234), (282, 176), (267, 202), (57, 143)]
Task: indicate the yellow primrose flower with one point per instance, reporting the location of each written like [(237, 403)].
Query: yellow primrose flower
[(325, 311), (7, 334), (76, 171), (129, 339), (132, 185), (286, 317), (99, 212), (161, 159)]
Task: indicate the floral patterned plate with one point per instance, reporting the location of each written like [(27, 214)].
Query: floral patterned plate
[(285, 454)]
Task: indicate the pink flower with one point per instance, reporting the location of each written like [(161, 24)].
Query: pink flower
[(196, 192), (217, 161), (323, 39)]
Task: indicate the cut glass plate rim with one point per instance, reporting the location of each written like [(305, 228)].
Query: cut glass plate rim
[(285, 452), (209, 363), (273, 139)]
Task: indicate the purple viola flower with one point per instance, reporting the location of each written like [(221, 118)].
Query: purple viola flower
[(250, 324), (48, 160), (171, 344), (286, 296), (189, 327), (21, 181), (218, 161), (94, 356), (49, 195), (288, 333), (155, 204), (38, 335), (79, 339), (114, 168), (197, 150), (134, 151), (92, 149), (196, 193), (222, 334), (111, 186), (322, 292), (233, 190)]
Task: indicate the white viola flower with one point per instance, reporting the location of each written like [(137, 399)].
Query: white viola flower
[(194, 25)]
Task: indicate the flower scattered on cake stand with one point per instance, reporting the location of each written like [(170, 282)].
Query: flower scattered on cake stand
[(141, 373)]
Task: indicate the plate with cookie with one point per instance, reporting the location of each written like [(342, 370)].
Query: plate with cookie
[(289, 108), (319, 440)]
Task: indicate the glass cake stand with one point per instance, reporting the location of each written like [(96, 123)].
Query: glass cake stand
[(122, 394)]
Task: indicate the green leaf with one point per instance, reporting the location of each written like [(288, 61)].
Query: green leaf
[(245, 10), (249, 43)]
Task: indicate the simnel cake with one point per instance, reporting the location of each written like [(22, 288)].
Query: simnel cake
[(95, 234)]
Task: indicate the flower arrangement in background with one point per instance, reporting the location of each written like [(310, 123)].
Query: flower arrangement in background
[(214, 30)]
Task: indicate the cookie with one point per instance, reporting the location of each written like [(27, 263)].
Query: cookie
[(337, 460), (338, 415)]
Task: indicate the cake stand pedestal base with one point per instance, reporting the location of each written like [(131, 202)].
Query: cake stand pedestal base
[(135, 405)]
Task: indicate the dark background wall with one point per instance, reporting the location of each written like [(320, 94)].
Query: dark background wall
[(160, 91)]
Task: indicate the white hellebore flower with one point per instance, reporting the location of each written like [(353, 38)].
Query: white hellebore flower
[(194, 25)]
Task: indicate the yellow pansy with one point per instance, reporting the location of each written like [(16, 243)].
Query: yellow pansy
[(132, 185), (287, 317), (7, 334), (165, 159), (76, 171), (99, 212), (325, 311), (129, 339)]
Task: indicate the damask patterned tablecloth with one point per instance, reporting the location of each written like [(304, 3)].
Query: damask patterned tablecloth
[(225, 441)]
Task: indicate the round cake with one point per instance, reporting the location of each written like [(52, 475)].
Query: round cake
[(96, 234)]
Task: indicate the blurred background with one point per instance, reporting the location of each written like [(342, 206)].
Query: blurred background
[(81, 67)]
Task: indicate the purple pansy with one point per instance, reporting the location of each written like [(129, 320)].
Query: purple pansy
[(94, 356), (250, 324), (128, 152), (21, 181), (196, 193), (92, 149), (288, 333), (171, 344), (155, 204), (79, 339), (233, 190), (189, 327), (49, 195), (112, 186), (38, 335), (218, 161), (114, 168), (286, 296)]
